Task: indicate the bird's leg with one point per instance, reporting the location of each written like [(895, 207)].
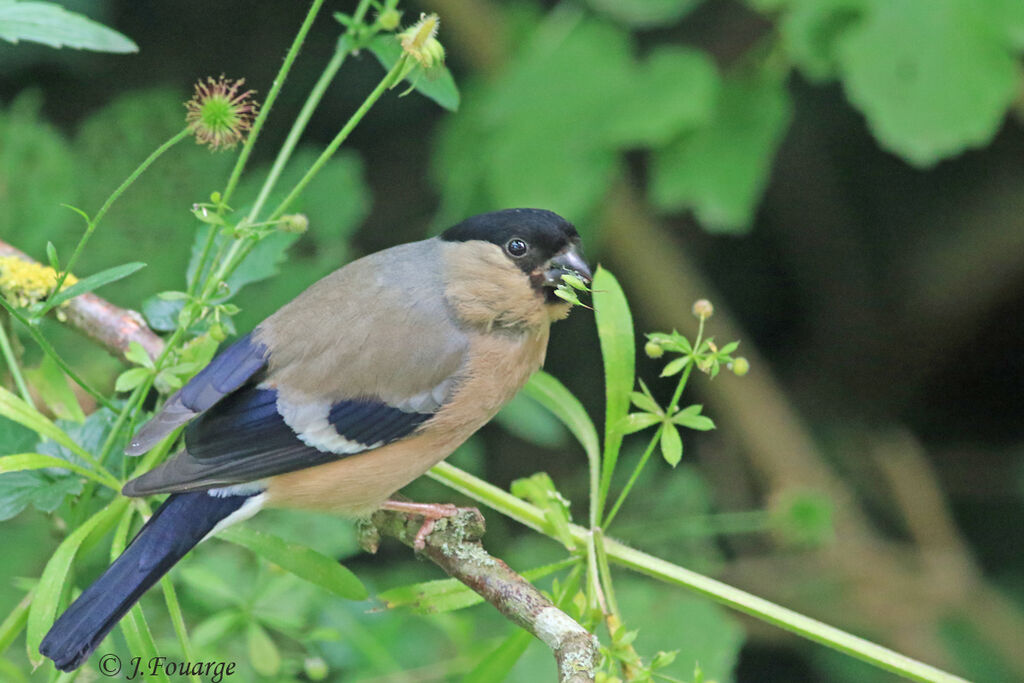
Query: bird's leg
[(430, 512)]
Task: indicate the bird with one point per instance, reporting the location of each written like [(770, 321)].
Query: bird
[(343, 396)]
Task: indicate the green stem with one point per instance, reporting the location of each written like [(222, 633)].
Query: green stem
[(257, 126), (683, 379), (632, 478), (95, 221), (48, 349), (12, 363), (655, 567), (178, 619), (299, 126), (197, 276), (605, 572), (389, 80)]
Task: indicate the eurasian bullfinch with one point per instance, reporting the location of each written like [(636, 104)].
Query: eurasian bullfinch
[(346, 394)]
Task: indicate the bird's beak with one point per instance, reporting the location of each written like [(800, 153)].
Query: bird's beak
[(569, 261)]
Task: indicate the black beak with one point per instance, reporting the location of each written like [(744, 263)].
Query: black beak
[(569, 261)]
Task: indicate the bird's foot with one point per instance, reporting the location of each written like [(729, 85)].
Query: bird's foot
[(430, 512)]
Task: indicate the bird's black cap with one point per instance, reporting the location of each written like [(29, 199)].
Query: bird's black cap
[(545, 232)]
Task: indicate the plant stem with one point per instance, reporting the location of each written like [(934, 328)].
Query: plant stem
[(12, 363), (95, 220), (282, 74), (389, 80), (641, 562), (299, 126), (48, 349), (654, 440), (632, 478)]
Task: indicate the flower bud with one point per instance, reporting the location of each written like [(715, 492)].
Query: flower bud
[(740, 366), (420, 41), (294, 222), (653, 349), (703, 309), (389, 19)]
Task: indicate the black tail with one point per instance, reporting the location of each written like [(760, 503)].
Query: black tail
[(181, 522)]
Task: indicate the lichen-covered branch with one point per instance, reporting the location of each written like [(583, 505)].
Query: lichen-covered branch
[(454, 545), (110, 326)]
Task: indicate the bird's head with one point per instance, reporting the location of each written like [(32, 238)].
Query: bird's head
[(504, 266)]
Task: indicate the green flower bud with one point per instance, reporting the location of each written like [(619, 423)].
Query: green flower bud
[(389, 19), (653, 349), (740, 366), (420, 41), (294, 222)]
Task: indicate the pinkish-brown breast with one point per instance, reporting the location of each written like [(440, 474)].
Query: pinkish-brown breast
[(498, 366)]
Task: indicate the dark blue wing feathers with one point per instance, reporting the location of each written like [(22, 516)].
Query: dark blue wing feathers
[(233, 367), (174, 529), (244, 438), (368, 421), (228, 371)]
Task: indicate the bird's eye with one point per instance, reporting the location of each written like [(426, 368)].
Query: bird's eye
[(516, 247)]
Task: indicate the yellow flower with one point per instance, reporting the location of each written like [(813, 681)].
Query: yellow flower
[(24, 283)]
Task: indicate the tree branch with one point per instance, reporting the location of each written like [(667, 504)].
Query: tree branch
[(110, 326), (454, 546)]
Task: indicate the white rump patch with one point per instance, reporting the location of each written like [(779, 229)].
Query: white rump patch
[(249, 508)]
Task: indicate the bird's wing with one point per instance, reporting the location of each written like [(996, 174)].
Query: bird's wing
[(228, 371), (361, 359)]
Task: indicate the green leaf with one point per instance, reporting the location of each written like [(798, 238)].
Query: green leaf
[(51, 583), (673, 91), (540, 490), (440, 87), (810, 31), (552, 394), (17, 410), (720, 170), (216, 628), (618, 351), (129, 379), (14, 622), (431, 597), (263, 653), (674, 367), (36, 461), (42, 490), (644, 402), (933, 77), (304, 562), (635, 422), (137, 354), (262, 261), (50, 24), (644, 13), (691, 418), (49, 380), (92, 282), (531, 422), (51, 256), (161, 313), (496, 664), (671, 444)]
